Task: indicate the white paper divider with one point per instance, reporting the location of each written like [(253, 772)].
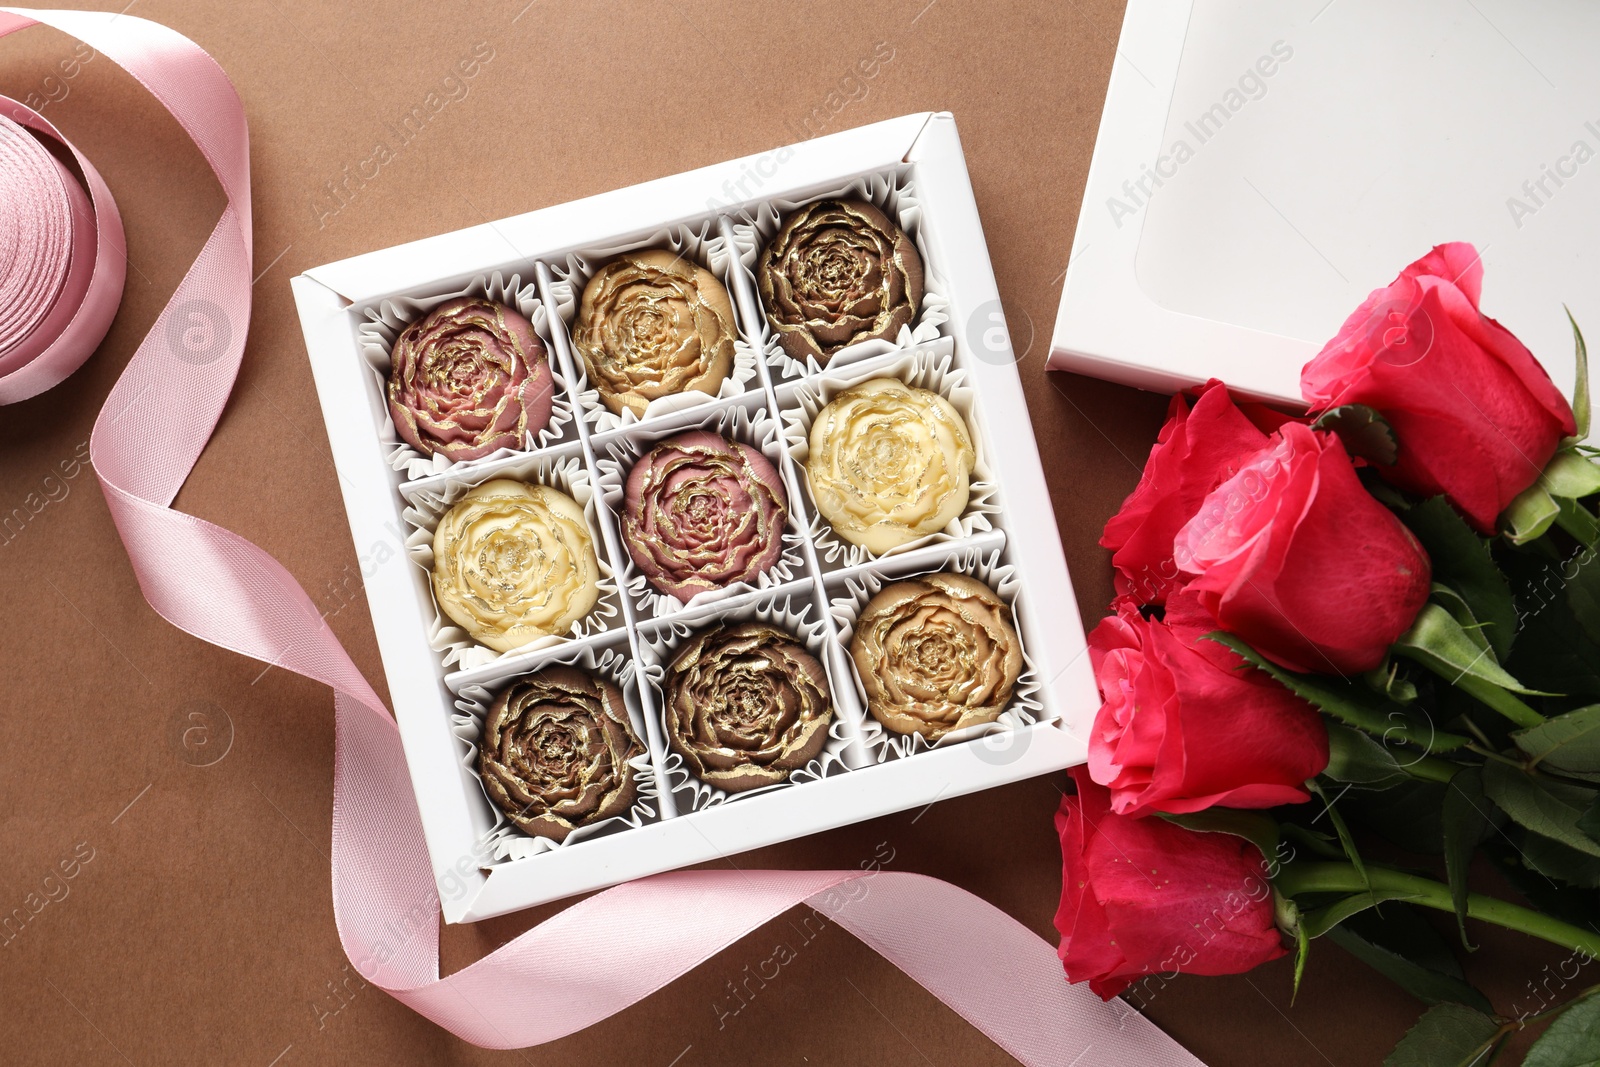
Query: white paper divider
[(383, 324), (794, 609), (1025, 709), (929, 366), (895, 194), (704, 244), (505, 841), (427, 506), (746, 420)]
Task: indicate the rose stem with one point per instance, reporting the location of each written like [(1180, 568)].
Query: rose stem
[(1344, 878)]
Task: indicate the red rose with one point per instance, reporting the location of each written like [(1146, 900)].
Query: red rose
[(1476, 415), (1196, 452), (1145, 896), (1183, 728), (1294, 556)]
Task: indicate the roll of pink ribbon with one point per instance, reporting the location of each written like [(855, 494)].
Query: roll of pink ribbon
[(62, 277), (62, 261)]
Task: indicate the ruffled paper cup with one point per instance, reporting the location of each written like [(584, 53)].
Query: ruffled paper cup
[(849, 596), (745, 420), (504, 842), (700, 243), (428, 502), (893, 193), (791, 609), (383, 324), (929, 366)]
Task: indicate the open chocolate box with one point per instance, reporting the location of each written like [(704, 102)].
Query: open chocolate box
[(719, 217)]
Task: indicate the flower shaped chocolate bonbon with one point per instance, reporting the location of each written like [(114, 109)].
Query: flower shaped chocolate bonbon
[(936, 654), (513, 563), (468, 378), (837, 273), (653, 324), (746, 704), (889, 463), (702, 512), (555, 752)]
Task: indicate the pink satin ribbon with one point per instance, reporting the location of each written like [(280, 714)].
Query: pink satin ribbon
[(600, 955)]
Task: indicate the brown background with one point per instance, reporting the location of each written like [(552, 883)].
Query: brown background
[(201, 929)]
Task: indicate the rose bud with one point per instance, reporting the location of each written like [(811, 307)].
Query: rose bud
[(1476, 416), (555, 750), (1294, 556), (702, 512), (654, 324), (1183, 728), (1145, 896), (838, 273), (745, 705), (936, 654), (469, 378), (513, 563), (1196, 451)]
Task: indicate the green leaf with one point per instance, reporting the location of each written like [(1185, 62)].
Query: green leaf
[(1589, 821), (1254, 826), (1461, 611), (1356, 758), (1408, 814), (1542, 805), (1400, 945), (1573, 1040), (1447, 1035), (1437, 641), (1580, 385), (1351, 703), (1529, 516), (1345, 839), (1556, 860), (1461, 560), (1569, 744), (1363, 431), (1403, 929), (1553, 650), (1570, 904), (1319, 921), (1465, 816)]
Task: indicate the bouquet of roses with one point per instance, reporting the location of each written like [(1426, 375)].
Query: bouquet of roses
[(1384, 612)]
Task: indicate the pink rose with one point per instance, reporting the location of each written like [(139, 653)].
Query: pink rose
[(1293, 555), (1145, 896), (1476, 416), (1197, 451), (1183, 728)]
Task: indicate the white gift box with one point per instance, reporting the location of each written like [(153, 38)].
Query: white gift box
[(1261, 166), (913, 168)]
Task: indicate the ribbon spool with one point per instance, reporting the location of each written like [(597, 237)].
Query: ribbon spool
[(62, 258)]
